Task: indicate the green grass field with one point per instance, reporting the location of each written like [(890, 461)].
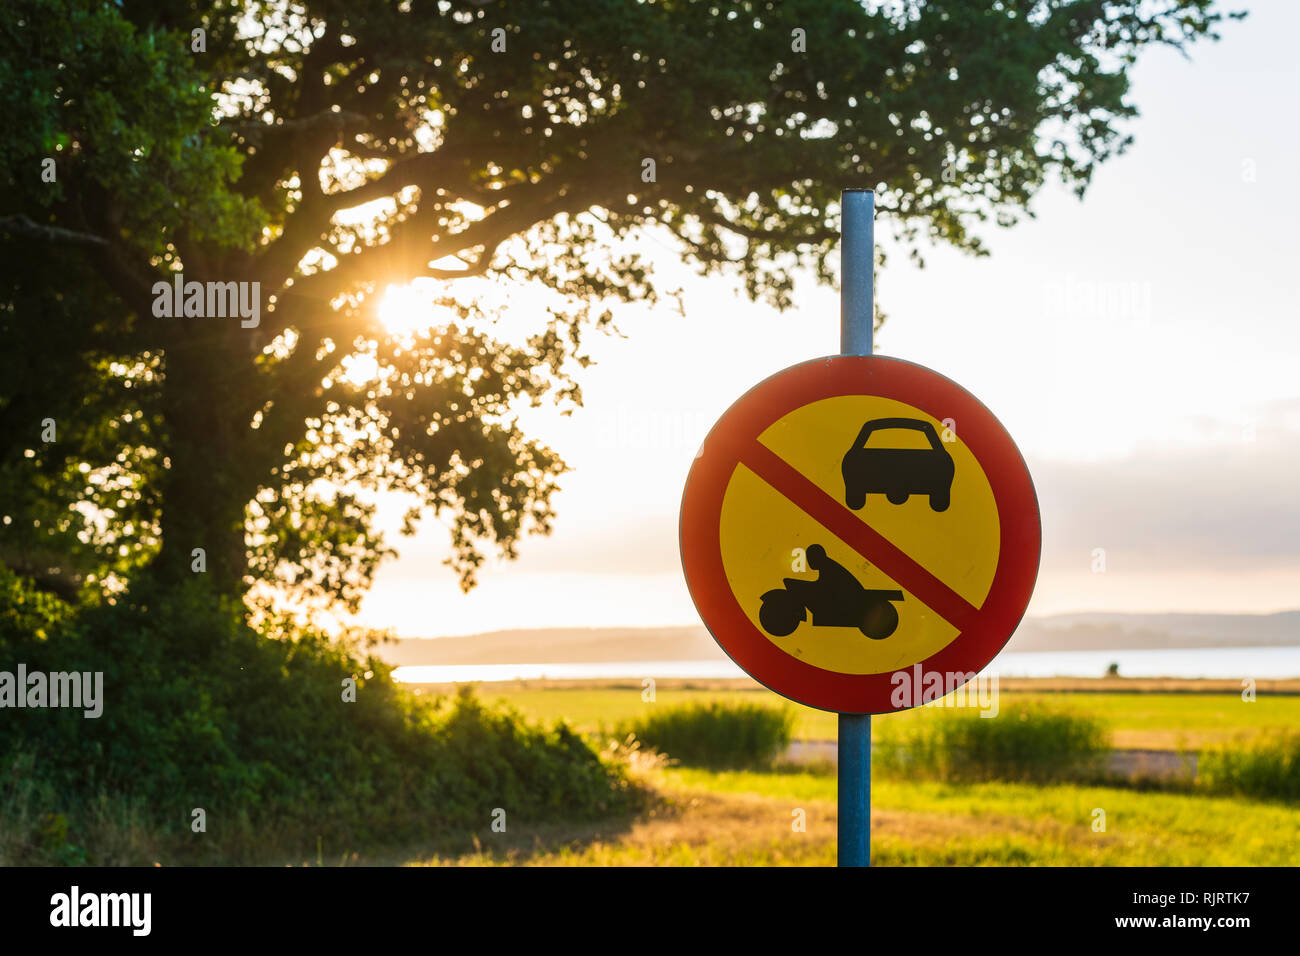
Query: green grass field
[(788, 816), (1153, 720), (743, 818)]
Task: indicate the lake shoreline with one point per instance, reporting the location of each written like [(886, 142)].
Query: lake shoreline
[(1065, 685), (1232, 666)]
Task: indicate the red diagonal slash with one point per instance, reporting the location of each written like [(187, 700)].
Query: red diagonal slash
[(857, 534)]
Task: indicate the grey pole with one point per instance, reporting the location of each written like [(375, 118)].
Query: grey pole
[(857, 318), (857, 267)]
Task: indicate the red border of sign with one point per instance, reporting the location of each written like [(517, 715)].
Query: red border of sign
[(776, 396)]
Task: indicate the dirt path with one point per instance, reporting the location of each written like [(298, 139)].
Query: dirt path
[(1133, 764)]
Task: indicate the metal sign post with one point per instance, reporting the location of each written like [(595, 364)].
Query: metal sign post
[(857, 320)]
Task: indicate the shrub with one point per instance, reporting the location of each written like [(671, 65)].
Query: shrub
[(1267, 769), (201, 712), (1023, 742), (717, 734)]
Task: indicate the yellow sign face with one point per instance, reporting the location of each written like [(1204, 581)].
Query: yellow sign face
[(765, 537)]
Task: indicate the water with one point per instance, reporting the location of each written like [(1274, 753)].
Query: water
[(597, 670), (1261, 663)]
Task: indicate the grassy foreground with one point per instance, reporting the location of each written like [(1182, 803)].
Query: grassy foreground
[(787, 815), (747, 818)]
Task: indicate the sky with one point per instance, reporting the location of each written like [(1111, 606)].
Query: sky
[(1141, 346)]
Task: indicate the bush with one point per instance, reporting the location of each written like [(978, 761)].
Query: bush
[(1029, 743), (201, 712), (717, 735), (1267, 769)]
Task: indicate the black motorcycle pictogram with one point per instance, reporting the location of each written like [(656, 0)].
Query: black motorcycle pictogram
[(835, 598)]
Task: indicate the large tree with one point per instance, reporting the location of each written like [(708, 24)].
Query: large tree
[(328, 148)]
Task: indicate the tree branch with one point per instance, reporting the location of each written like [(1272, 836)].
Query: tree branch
[(325, 119), (753, 232), (21, 226), (476, 268), (110, 261), (308, 224)]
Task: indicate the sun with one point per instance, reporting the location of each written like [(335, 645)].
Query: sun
[(405, 310)]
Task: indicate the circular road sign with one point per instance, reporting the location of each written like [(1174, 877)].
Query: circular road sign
[(860, 534)]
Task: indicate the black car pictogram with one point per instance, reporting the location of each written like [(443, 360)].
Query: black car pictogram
[(897, 473), (835, 598)]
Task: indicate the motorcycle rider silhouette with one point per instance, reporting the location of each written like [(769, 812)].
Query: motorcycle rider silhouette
[(835, 598), (836, 580)]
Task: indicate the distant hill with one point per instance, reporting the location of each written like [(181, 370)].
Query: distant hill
[(1110, 631), (1060, 632), (559, 645)]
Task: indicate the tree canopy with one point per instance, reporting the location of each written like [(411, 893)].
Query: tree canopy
[(326, 149)]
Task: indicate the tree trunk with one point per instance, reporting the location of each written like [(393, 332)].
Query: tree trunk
[(207, 486)]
